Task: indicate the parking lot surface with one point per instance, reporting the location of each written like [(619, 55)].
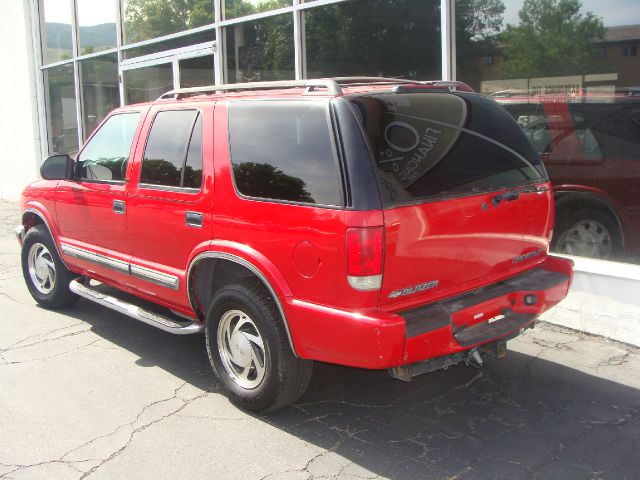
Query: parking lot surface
[(89, 393)]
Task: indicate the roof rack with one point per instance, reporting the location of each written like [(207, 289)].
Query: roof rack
[(333, 85)]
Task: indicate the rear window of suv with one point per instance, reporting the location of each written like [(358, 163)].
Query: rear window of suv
[(284, 150), (430, 145)]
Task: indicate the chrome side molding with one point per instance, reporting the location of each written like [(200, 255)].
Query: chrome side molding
[(103, 260), (153, 276), (145, 316)]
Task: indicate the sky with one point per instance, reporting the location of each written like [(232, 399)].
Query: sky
[(90, 12), (613, 12), (93, 12)]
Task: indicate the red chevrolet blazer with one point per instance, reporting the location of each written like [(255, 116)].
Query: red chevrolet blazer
[(375, 223)]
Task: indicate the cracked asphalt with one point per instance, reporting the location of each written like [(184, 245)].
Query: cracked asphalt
[(89, 393)]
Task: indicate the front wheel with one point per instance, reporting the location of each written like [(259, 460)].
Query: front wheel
[(46, 276), (249, 349)]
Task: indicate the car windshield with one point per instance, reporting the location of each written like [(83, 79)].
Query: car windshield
[(435, 144)]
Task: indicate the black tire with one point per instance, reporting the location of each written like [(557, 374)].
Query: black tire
[(47, 278), (588, 232), (284, 377)]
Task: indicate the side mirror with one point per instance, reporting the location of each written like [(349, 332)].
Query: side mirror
[(57, 167)]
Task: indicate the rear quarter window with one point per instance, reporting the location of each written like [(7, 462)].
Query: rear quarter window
[(430, 145), (284, 150)]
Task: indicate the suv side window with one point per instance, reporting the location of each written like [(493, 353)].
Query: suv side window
[(283, 150), (173, 154), (106, 155)]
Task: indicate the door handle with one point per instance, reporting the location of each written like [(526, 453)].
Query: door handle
[(193, 219), (118, 207)]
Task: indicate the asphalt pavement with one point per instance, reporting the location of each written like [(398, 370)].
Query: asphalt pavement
[(89, 393)]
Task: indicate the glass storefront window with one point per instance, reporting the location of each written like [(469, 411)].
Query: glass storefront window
[(240, 8), (100, 92), (145, 19), (382, 38), (565, 74), (96, 25), (261, 50), (62, 124), (57, 43), (147, 83), (178, 42), (196, 72)]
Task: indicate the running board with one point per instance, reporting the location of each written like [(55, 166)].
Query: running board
[(163, 322)]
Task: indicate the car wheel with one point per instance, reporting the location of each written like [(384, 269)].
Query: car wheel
[(46, 276), (249, 349), (587, 233)]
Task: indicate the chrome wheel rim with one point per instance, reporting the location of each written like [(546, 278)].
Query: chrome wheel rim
[(587, 238), (42, 270), (241, 349)]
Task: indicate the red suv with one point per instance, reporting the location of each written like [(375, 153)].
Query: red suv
[(590, 145), (374, 223)]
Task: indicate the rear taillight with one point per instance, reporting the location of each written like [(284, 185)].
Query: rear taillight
[(364, 257)]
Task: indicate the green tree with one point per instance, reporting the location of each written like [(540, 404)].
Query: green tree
[(146, 19), (553, 38), (478, 24), (266, 181)]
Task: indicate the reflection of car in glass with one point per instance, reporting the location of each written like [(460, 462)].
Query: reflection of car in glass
[(375, 223), (591, 148)]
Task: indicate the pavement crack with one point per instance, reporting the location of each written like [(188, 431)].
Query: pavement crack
[(135, 430)]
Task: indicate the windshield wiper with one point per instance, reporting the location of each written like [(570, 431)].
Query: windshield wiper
[(513, 194)]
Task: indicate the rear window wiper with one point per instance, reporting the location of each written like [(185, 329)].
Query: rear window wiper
[(514, 193)]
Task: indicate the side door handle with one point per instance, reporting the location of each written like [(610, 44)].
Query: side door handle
[(118, 207), (193, 219)]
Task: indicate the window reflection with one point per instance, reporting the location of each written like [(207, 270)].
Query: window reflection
[(148, 83), (261, 50), (96, 25), (100, 92), (178, 42), (240, 8), (572, 86), (62, 125), (382, 38), (106, 155), (145, 19), (57, 43), (195, 72)]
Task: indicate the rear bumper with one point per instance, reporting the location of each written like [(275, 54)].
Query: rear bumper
[(377, 340)]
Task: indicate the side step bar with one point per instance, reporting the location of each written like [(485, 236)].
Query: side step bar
[(150, 318)]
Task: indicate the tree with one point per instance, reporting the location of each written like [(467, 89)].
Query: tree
[(478, 23), (266, 181), (553, 38), (152, 18)]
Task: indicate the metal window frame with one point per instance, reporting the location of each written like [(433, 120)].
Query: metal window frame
[(218, 49)]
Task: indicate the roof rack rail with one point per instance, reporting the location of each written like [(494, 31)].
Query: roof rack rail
[(371, 80), (330, 84)]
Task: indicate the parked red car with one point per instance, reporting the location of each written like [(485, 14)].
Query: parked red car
[(374, 223), (590, 145)]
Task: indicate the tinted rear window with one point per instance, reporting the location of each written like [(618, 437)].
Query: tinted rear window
[(441, 144), (283, 150), (168, 148)]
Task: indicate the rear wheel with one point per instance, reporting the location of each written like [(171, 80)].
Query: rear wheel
[(249, 349), (46, 276)]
